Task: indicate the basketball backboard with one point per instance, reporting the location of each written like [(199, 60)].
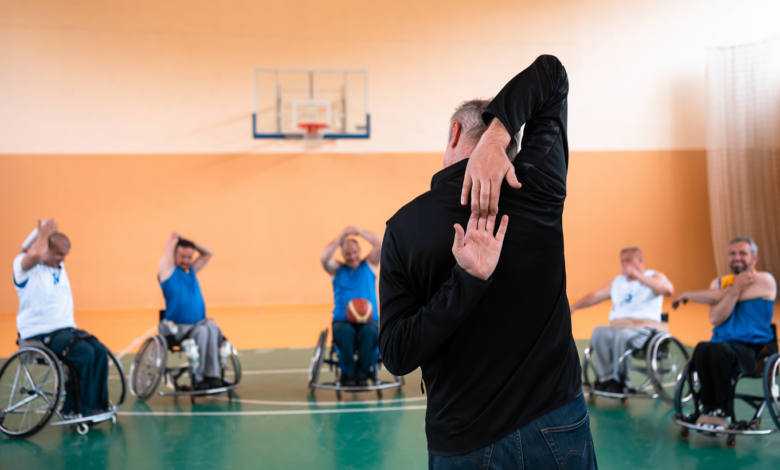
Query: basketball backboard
[(291, 103)]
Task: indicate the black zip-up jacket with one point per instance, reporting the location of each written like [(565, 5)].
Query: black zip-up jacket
[(495, 354)]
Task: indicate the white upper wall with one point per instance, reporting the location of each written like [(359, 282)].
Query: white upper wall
[(89, 76)]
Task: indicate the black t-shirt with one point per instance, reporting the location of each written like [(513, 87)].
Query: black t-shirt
[(495, 354)]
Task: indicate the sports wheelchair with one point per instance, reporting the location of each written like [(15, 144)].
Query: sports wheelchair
[(335, 365), (688, 407), (34, 382), (151, 366), (661, 360)]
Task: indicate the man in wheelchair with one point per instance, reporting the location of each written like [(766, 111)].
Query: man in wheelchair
[(185, 309), (354, 279), (637, 301), (741, 307), (46, 315)]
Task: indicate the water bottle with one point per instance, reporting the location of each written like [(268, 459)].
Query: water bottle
[(192, 352), (224, 353)]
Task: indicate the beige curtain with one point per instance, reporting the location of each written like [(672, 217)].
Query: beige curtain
[(743, 149)]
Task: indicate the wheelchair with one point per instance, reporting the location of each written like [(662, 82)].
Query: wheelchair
[(661, 360), (150, 367), (32, 391), (688, 407), (335, 365)]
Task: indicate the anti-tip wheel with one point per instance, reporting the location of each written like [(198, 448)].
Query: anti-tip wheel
[(82, 428), (731, 441), (379, 393), (685, 434)]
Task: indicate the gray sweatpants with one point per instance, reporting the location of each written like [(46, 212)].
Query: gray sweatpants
[(608, 344), (208, 337)]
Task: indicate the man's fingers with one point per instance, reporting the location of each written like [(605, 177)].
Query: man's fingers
[(502, 229), (495, 193), (464, 193), (459, 235), (484, 199), (511, 178), (475, 189), (481, 223), (472, 225), (491, 224)]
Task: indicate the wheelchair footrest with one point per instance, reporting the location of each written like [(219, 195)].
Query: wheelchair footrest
[(96, 418), (367, 388), (732, 429), (199, 393), (636, 394)]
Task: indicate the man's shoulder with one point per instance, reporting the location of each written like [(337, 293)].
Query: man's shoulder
[(413, 209)]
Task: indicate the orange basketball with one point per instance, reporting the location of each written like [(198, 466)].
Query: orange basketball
[(359, 311)]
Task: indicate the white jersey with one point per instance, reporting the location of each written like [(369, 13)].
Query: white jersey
[(45, 299), (632, 299)]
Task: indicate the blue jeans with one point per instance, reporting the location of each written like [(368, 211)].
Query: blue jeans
[(363, 337), (558, 440)]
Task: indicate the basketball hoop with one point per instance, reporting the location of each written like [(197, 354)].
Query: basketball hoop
[(312, 136)]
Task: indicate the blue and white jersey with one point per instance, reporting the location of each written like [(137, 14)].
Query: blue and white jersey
[(632, 299), (45, 299)]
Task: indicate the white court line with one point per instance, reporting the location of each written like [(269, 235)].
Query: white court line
[(319, 403), (135, 342), (266, 413), (276, 371)]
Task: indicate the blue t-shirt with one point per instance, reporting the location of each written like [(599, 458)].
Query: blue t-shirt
[(749, 323), (351, 284), (183, 300)]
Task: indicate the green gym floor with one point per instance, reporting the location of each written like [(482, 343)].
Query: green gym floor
[(276, 424)]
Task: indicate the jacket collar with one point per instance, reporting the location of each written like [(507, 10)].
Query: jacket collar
[(457, 170)]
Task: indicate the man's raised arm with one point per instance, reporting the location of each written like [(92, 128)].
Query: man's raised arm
[(167, 262), (411, 331), (540, 91)]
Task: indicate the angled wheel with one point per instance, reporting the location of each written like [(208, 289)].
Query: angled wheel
[(117, 382), (666, 359), (30, 389), (684, 404), (589, 375), (315, 366), (772, 388), (148, 367), (232, 371)]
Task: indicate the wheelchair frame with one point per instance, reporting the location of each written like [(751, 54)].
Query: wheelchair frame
[(652, 387), (771, 400), (171, 375), (54, 398), (335, 365)]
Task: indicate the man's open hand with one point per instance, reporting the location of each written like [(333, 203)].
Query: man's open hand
[(477, 250), (487, 168)]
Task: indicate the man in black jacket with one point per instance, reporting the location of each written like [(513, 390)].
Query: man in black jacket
[(497, 354)]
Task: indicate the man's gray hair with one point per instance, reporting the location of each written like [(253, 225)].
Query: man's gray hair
[(469, 115), (749, 241), (632, 249)]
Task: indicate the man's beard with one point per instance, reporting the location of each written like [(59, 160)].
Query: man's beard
[(738, 267)]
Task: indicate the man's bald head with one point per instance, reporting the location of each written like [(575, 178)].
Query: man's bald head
[(59, 240), (59, 247)]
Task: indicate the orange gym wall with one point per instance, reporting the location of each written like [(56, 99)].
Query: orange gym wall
[(268, 217)]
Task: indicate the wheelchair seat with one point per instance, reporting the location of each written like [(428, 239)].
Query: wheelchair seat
[(661, 358), (30, 399), (150, 368), (336, 365), (687, 403)]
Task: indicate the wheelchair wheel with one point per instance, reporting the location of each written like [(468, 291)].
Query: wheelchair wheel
[(117, 382), (148, 367), (666, 359), (772, 387), (589, 375), (684, 404), (232, 371), (30, 390), (315, 366)]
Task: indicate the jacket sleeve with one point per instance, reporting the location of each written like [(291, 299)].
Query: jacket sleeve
[(411, 329), (540, 89)]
